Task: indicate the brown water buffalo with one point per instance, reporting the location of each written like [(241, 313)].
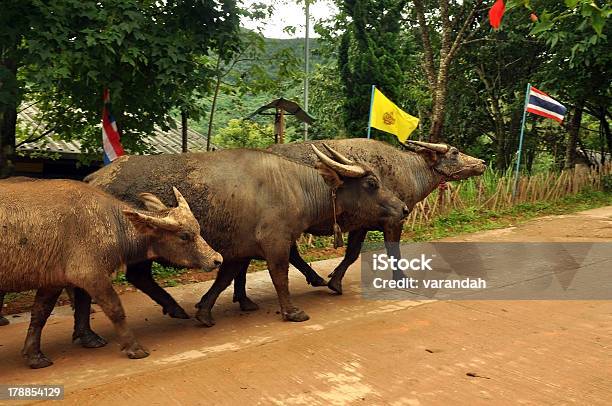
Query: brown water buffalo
[(60, 233), (251, 204), (412, 175), (3, 320)]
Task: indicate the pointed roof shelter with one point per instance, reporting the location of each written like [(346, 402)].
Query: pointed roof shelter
[(282, 106)]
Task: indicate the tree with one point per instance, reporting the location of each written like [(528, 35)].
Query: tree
[(247, 71), (577, 35), (243, 134), (453, 33), (370, 52), (61, 55)]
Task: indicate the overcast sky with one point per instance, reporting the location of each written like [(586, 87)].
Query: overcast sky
[(289, 13)]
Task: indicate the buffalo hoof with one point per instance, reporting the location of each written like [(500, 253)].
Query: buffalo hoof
[(176, 312), (247, 305), (318, 281), (38, 360), (89, 339), (136, 351), (206, 318), (4, 321), (335, 285), (296, 315)]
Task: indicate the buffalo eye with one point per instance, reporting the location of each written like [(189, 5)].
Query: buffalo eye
[(185, 236), (455, 152), (372, 184)]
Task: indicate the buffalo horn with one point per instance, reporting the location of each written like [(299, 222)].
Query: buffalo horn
[(350, 171), (338, 156), (182, 203), (442, 148), (165, 223)]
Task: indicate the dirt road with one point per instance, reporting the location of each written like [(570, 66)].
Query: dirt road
[(351, 351)]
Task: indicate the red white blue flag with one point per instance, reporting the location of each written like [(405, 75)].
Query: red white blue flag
[(543, 105), (111, 140)]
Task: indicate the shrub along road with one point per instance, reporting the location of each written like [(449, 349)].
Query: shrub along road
[(351, 351)]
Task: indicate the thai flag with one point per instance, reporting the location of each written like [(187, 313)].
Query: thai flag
[(110, 135), (543, 105)]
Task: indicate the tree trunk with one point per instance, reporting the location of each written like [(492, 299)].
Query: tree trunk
[(8, 124), (213, 107), (437, 117), (573, 133), (606, 131), (184, 138)]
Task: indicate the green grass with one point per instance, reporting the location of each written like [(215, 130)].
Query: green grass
[(160, 272), (472, 219)]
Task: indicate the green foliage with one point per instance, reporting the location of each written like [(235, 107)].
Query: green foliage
[(244, 133), (370, 52), (149, 55)]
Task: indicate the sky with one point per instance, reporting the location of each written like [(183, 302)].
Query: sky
[(290, 13)]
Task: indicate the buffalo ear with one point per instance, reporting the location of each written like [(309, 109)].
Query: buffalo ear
[(140, 221), (430, 156), (330, 176), (152, 202)]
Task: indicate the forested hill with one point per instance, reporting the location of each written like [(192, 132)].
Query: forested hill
[(277, 72)]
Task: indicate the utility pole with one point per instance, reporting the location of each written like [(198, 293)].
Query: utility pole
[(306, 63)]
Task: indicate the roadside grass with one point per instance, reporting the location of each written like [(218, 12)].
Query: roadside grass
[(473, 219)]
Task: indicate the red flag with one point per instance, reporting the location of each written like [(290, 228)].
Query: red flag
[(496, 13)]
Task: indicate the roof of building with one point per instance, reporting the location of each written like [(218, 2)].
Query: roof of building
[(289, 106), (161, 142)]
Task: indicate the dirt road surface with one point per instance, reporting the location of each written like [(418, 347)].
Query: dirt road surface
[(352, 351)]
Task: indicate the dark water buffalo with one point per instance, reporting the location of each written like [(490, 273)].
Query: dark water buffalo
[(3, 320), (64, 233), (412, 175), (250, 204)]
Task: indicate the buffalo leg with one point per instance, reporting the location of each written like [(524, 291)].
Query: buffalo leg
[(227, 272), (353, 247), (296, 260), (140, 275), (83, 334), (277, 258), (312, 278), (240, 295), (3, 320), (392, 243), (101, 290), (278, 265), (43, 305)]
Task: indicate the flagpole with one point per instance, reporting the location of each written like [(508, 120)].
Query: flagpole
[(520, 147), (370, 115)]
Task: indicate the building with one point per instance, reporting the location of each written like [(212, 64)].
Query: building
[(50, 157)]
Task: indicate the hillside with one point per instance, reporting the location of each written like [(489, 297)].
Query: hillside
[(239, 106)]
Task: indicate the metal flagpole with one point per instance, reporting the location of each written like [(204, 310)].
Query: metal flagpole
[(370, 115), (520, 146), (306, 64)]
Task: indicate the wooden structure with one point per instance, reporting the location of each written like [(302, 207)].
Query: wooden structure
[(281, 107)]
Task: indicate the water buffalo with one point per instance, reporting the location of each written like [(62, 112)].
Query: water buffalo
[(412, 175), (3, 320), (250, 204), (60, 233)]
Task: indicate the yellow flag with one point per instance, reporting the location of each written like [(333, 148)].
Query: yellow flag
[(386, 116)]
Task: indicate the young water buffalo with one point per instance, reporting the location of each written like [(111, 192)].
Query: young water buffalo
[(64, 233), (411, 175), (250, 204)]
